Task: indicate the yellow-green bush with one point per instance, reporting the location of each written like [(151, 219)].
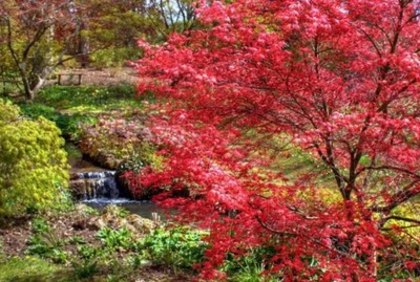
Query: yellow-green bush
[(33, 163)]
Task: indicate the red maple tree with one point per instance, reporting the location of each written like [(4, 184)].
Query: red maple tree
[(339, 79)]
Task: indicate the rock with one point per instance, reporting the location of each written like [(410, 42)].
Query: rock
[(111, 163), (74, 176), (122, 222), (111, 217), (124, 184), (140, 224), (103, 160), (84, 210), (96, 223), (112, 210), (78, 188)]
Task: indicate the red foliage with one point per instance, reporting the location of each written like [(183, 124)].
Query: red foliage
[(340, 78), (37, 16)]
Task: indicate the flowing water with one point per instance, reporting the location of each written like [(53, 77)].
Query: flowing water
[(98, 188), (99, 185)]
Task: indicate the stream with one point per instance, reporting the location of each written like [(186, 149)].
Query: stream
[(97, 187)]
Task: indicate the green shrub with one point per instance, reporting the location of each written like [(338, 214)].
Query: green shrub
[(77, 240), (44, 243), (115, 238), (178, 247), (8, 112), (87, 263), (33, 163), (249, 268), (91, 259)]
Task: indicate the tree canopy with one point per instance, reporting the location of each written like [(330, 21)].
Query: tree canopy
[(337, 79), (39, 37)]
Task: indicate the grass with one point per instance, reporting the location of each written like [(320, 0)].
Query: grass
[(89, 99), (32, 269)]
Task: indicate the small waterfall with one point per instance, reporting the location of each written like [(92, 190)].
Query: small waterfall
[(99, 186)]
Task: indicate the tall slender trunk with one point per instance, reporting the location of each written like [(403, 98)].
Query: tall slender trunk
[(82, 45)]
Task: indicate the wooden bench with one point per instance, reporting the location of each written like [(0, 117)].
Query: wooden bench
[(70, 77)]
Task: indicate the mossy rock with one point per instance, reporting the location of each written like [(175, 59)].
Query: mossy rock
[(117, 218)]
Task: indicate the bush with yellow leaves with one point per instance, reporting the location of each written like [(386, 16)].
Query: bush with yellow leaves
[(33, 163)]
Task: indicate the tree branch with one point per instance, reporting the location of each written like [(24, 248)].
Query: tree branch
[(401, 218), (406, 194)]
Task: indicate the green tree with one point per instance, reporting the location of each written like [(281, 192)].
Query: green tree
[(109, 31)]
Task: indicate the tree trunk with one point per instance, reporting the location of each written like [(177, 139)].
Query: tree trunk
[(31, 90), (83, 46), (29, 95)]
